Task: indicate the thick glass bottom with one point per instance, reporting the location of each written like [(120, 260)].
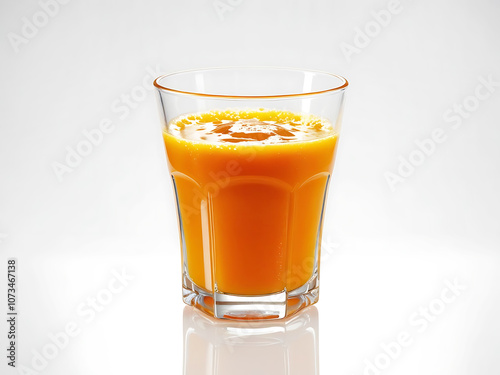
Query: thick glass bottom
[(242, 307)]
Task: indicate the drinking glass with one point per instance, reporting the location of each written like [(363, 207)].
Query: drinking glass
[(250, 211)]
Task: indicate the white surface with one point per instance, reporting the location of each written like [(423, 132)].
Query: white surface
[(387, 252)]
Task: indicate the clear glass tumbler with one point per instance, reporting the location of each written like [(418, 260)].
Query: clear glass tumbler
[(250, 152)]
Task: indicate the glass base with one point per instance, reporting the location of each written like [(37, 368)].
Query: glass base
[(240, 307)]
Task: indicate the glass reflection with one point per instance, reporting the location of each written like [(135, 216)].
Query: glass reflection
[(224, 347)]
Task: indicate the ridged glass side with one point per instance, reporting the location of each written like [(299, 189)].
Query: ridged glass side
[(251, 248)]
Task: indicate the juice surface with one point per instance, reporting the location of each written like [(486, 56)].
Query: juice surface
[(250, 188)]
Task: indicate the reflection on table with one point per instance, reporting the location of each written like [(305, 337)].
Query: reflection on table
[(278, 347)]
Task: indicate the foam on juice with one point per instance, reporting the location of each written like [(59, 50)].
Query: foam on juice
[(264, 127)]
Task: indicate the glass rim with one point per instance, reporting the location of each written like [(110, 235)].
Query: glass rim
[(342, 86)]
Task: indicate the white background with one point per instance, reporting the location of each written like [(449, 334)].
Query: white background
[(387, 252)]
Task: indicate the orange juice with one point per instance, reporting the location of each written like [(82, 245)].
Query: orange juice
[(250, 188)]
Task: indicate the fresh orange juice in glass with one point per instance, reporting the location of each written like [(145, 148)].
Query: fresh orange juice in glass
[(250, 185)]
